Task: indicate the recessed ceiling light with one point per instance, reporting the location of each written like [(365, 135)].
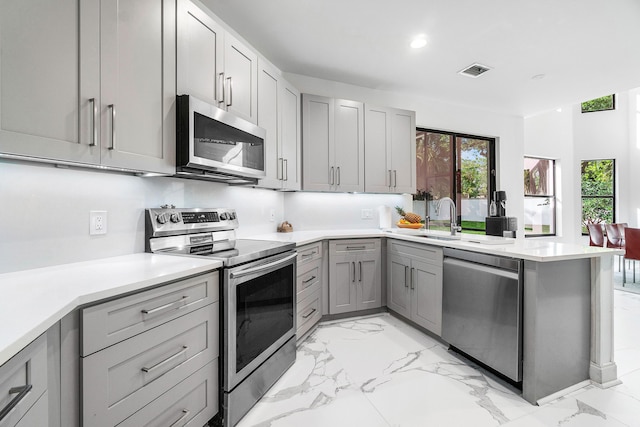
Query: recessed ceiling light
[(559, 110), (419, 41)]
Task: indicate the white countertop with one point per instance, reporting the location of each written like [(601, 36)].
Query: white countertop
[(533, 249), (34, 300)]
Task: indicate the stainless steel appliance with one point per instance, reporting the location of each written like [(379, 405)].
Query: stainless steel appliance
[(257, 293), (215, 145), (482, 309)]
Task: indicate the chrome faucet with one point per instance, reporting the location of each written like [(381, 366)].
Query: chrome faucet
[(452, 213)]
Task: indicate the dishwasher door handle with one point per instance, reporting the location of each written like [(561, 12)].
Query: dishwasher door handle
[(483, 268)]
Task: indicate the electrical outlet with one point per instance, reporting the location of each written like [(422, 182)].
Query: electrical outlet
[(272, 215), (97, 222), (366, 214)]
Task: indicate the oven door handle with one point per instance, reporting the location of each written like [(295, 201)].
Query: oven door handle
[(263, 267)]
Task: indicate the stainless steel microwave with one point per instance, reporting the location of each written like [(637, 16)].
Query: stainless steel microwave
[(216, 145)]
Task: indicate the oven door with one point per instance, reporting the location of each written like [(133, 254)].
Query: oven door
[(259, 311)]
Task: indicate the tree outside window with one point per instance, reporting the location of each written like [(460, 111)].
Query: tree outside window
[(598, 192)]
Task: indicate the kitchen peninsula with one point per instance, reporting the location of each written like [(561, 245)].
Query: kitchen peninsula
[(568, 303)]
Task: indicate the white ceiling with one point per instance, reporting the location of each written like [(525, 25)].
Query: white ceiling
[(584, 48)]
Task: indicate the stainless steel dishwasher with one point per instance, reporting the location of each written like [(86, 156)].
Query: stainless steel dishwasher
[(482, 309)]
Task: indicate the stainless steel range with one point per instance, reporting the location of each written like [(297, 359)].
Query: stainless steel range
[(257, 288)]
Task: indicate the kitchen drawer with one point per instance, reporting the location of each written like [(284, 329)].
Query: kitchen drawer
[(355, 245), (309, 313), (191, 403), (309, 279), (426, 253), (38, 415), (309, 253), (114, 321), (27, 369), (121, 379)]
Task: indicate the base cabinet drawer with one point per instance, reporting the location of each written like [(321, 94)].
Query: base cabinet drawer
[(38, 415), (309, 279), (310, 252), (121, 379), (309, 313), (23, 380), (113, 321), (191, 403)]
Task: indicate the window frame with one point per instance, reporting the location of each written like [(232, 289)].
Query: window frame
[(612, 197), (553, 196), (455, 177)]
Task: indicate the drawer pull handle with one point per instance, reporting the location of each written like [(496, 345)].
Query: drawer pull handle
[(22, 392), (309, 279), (356, 248), (175, 304), (308, 254), (165, 361), (309, 313), (185, 414)]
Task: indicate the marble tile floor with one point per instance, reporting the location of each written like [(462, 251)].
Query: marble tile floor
[(379, 371)]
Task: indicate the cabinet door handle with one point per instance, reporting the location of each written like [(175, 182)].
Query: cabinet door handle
[(331, 176), (175, 304), (21, 391), (279, 169), (412, 285), (390, 178), (162, 363), (395, 178), (309, 314), (338, 174), (112, 107), (180, 421), (230, 86), (354, 272), (406, 281), (94, 127), (309, 279), (360, 267), (220, 97), (286, 170)]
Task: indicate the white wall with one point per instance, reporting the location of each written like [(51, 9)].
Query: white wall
[(434, 114), (44, 219), (550, 135)]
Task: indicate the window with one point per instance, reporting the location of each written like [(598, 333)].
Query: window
[(539, 197), (603, 103), (457, 166), (598, 192)]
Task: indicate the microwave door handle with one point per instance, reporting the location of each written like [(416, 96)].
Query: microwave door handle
[(262, 267)]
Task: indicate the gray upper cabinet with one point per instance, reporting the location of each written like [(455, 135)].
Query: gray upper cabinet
[(354, 275), (138, 84), (279, 115), (240, 79), (91, 84), (49, 79), (200, 46), (390, 150), (333, 144)]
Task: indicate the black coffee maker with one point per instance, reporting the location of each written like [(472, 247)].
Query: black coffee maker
[(498, 223)]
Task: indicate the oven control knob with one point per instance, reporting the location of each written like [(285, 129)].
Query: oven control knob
[(232, 215), (162, 218), (224, 216), (174, 217)]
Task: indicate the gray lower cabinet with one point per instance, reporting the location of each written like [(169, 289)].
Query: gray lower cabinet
[(354, 275), (23, 387), (167, 350), (309, 287), (414, 283)]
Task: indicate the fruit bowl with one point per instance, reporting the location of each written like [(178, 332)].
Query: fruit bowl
[(414, 226)]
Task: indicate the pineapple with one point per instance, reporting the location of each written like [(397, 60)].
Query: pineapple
[(409, 216)]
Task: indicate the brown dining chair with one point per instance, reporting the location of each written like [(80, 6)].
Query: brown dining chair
[(615, 238), (631, 250), (596, 236)]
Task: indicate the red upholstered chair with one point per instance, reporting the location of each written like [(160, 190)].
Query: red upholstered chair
[(614, 236), (596, 236), (631, 250)]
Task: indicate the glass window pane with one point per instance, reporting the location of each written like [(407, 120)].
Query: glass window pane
[(597, 177), (538, 177), (539, 215), (474, 179), (596, 210)]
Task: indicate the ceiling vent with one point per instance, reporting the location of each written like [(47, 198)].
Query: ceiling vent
[(474, 70)]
